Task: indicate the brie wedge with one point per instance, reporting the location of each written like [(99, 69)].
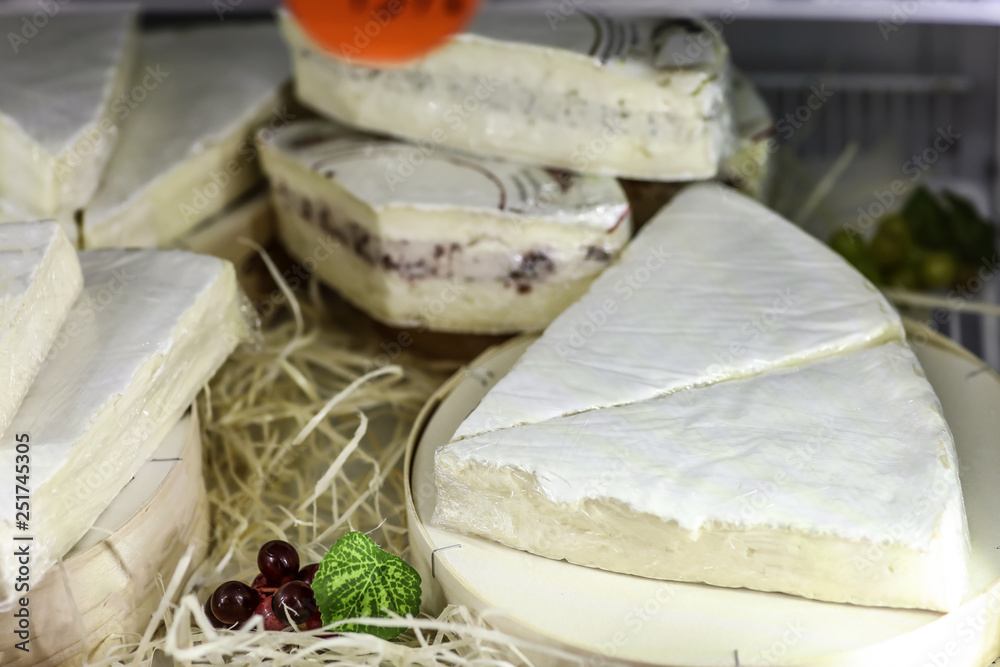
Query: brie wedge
[(39, 281), (149, 330), (186, 151), (716, 287), (836, 480), (457, 243), (62, 91), (645, 99)]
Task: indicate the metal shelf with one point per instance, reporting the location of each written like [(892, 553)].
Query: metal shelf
[(893, 12)]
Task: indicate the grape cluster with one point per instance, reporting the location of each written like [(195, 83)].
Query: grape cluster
[(281, 592)]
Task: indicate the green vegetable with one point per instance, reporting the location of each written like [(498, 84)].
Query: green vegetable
[(852, 248), (906, 277), (928, 220), (974, 236), (938, 270), (357, 579), (891, 244), (846, 243)]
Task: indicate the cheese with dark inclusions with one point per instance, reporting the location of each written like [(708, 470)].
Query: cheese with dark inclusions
[(501, 233)]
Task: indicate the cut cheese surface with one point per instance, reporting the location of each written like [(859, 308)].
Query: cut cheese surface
[(148, 331), (836, 480), (506, 246), (61, 94), (39, 281), (645, 98), (716, 287), (186, 151)]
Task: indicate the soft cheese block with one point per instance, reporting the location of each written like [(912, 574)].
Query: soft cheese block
[(64, 89), (836, 480), (716, 287), (454, 242), (149, 330), (749, 169), (40, 279), (186, 152), (640, 98)]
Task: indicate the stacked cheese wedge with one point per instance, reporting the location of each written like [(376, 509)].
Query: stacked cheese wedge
[(448, 245), (485, 214), (64, 91), (186, 157), (639, 98), (123, 359), (730, 404), (132, 138)]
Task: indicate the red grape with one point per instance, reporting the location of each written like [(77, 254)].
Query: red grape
[(308, 573), (296, 599), (278, 561), (233, 602), (314, 622), (216, 623), (271, 621)]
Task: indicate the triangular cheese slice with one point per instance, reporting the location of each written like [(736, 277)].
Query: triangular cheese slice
[(62, 91), (149, 330), (716, 287), (39, 281), (836, 480), (186, 152)]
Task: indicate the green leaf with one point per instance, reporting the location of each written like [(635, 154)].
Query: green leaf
[(974, 234), (357, 579), (928, 221)]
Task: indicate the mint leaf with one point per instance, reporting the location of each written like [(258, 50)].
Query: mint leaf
[(357, 579)]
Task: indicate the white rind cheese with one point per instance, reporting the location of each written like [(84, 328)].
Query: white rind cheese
[(716, 287), (644, 99), (39, 281), (457, 243), (836, 480), (186, 151), (149, 330), (62, 92)]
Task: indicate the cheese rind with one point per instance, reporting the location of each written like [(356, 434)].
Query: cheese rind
[(716, 287), (836, 480), (150, 328), (186, 152), (63, 92), (645, 99), (456, 243), (39, 281)]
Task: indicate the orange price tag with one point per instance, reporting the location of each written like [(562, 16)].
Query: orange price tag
[(382, 32)]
